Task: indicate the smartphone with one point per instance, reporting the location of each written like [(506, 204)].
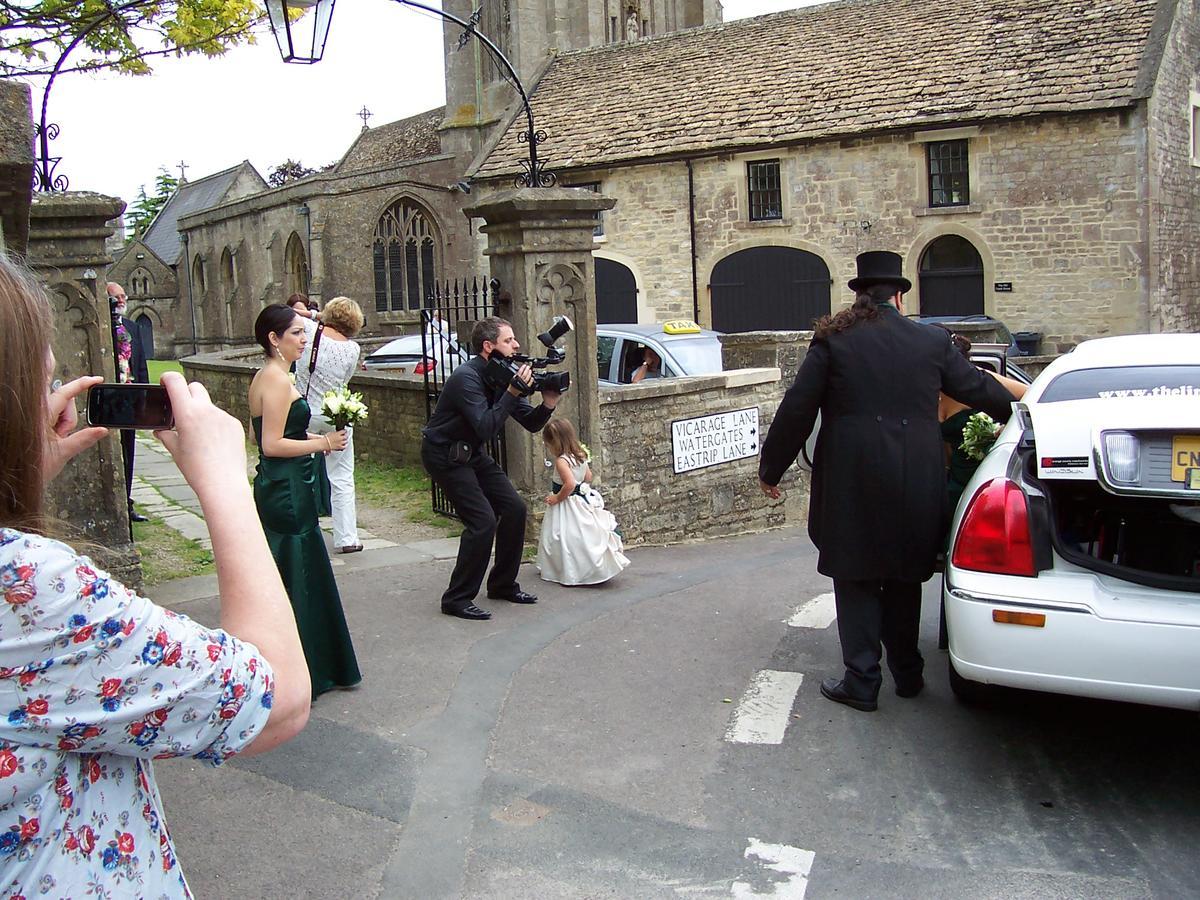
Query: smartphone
[(130, 406)]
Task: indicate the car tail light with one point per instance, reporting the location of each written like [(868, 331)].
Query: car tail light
[(425, 365), (1122, 451), (994, 534)]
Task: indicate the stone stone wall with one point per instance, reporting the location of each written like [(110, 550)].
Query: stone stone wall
[(1057, 209), (16, 166), (392, 434), (1174, 218), (636, 473)]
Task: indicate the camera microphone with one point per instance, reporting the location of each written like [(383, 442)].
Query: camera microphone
[(561, 326)]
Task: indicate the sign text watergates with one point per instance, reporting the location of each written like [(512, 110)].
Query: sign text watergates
[(712, 440)]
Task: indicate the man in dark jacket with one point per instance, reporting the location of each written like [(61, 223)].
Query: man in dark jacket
[(129, 358), (877, 511), (470, 412)]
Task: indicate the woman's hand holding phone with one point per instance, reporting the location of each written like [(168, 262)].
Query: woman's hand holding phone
[(208, 444), (64, 441)]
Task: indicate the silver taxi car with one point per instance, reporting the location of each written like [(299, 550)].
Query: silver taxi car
[(683, 346)]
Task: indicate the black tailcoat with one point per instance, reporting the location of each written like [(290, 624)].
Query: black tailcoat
[(878, 508)]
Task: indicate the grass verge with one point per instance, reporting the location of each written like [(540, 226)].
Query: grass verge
[(403, 488), (167, 554), (158, 366)]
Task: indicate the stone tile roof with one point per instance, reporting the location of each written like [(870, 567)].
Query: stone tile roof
[(413, 138), (162, 237), (832, 70)]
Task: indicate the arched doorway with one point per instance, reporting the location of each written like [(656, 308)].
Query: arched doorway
[(951, 278), (769, 288), (616, 292), (145, 328)]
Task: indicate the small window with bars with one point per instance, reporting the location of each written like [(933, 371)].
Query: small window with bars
[(1196, 129), (949, 182), (594, 187), (764, 191)]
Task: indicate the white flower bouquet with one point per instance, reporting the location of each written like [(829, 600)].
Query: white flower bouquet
[(979, 434), (343, 408)]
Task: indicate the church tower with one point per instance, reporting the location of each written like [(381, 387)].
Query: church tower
[(528, 32)]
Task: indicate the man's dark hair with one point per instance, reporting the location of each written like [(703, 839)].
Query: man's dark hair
[(487, 330), (865, 307)]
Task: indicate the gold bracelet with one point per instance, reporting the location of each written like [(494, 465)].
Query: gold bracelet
[(328, 444)]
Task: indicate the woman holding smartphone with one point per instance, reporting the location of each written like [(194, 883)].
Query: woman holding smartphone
[(286, 488), (96, 681)]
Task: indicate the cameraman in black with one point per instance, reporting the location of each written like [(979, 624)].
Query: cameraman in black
[(471, 411)]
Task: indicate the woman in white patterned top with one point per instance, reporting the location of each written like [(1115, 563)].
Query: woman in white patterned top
[(95, 681), (327, 365)]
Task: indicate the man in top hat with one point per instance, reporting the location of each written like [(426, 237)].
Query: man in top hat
[(129, 358), (878, 511)]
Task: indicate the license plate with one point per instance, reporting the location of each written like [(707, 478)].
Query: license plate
[(1185, 454)]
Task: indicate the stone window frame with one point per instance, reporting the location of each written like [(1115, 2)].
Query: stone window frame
[(1194, 127), (969, 133), (779, 215), (944, 167), (403, 221)]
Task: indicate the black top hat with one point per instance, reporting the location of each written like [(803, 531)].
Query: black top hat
[(879, 267)]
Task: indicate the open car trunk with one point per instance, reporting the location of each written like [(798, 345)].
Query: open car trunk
[(1147, 540)]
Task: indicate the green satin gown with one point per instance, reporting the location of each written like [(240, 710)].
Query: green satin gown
[(286, 492)]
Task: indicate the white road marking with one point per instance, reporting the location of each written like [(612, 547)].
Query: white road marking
[(819, 612), (791, 861), (762, 714)]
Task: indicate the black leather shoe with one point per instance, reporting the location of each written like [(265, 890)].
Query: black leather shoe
[(517, 597), (911, 689), (470, 611), (137, 517), (835, 689)]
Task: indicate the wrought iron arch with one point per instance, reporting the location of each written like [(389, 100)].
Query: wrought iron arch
[(406, 257)]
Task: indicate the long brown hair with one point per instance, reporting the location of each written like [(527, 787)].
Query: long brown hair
[(864, 309), (560, 437), (25, 329)]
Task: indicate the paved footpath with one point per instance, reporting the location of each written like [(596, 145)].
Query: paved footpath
[(662, 736)]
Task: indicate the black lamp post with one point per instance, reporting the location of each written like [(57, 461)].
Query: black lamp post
[(302, 40)]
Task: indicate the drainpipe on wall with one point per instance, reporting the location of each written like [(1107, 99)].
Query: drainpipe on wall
[(187, 267), (692, 239)]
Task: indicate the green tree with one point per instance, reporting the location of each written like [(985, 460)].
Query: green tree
[(143, 210), (288, 170), (118, 34)]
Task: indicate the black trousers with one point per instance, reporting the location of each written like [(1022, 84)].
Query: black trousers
[(491, 510), (874, 612), (127, 446)]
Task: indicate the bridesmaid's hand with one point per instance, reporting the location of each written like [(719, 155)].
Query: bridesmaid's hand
[(64, 442), (208, 444), (336, 440), (551, 499)]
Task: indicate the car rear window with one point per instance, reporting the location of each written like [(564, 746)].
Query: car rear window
[(1124, 381)]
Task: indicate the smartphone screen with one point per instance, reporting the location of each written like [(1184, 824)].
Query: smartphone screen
[(129, 406)]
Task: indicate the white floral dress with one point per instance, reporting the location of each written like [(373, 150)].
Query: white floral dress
[(579, 543), (95, 682)]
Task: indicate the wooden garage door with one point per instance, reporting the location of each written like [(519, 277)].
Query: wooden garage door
[(769, 288)]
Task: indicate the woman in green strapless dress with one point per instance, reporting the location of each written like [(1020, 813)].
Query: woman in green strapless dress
[(287, 493)]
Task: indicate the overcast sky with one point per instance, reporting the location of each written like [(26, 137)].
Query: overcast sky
[(211, 114)]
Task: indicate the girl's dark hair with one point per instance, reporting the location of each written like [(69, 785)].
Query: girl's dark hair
[(299, 298), (864, 309), (961, 344), (273, 320)]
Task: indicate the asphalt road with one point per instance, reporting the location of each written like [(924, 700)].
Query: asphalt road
[(663, 736)]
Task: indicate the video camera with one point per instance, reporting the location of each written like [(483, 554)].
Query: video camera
[(501, 371)]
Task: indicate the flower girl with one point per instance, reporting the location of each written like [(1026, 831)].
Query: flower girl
[(579, 543)]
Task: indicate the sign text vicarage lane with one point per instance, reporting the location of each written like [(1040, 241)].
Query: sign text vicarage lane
[(712, 440)]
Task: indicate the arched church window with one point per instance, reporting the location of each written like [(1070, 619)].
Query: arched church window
[(405, 254), (198, 275), (139, 282), (295, 267)]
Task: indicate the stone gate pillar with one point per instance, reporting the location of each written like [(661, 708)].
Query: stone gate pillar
[(540, 243), (67, 234)]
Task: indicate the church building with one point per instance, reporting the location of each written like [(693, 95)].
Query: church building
[(1039, 163)]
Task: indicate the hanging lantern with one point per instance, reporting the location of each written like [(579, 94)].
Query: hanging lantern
[(301, 28)]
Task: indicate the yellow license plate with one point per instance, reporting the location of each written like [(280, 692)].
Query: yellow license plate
[(1185, 454)]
